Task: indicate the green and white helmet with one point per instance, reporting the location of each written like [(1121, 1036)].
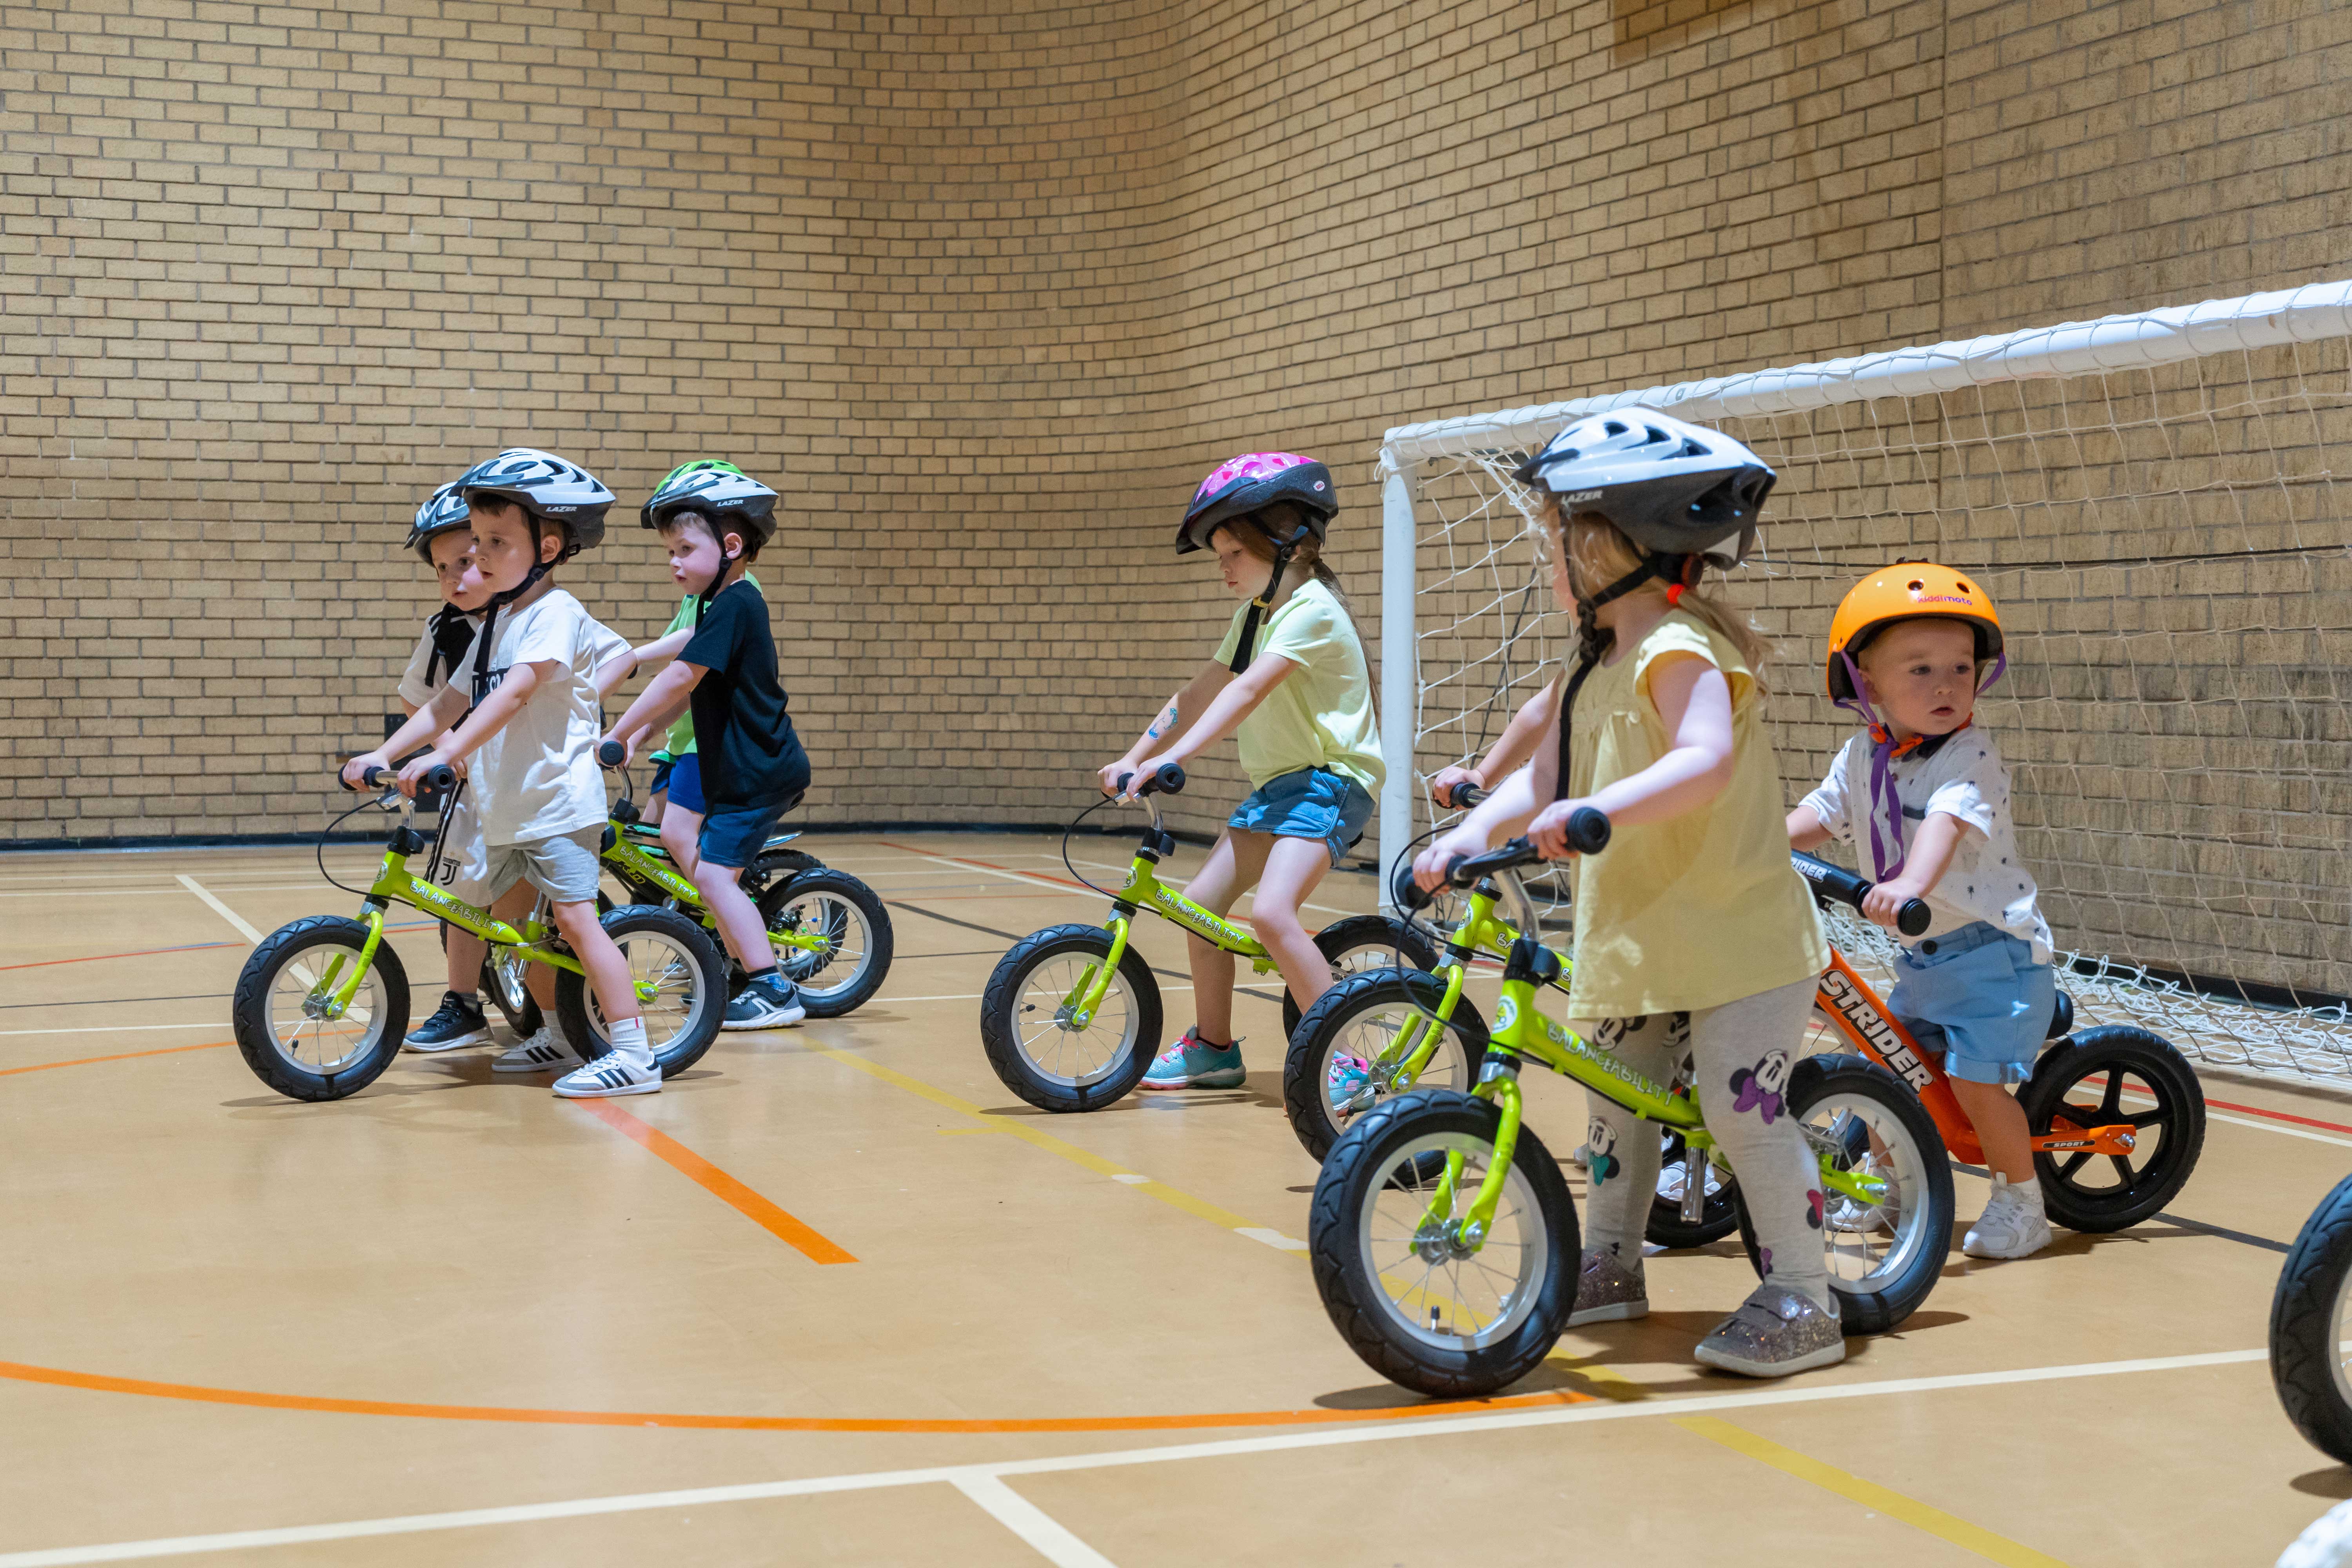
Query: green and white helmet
[(718, 489)]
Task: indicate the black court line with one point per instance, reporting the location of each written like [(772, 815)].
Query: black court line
[(2226, 1234), (991, 930), (122, 1001)]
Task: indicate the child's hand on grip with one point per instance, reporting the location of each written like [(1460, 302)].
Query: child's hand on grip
[(1548, 831), (1430, 868), (1441, 788)]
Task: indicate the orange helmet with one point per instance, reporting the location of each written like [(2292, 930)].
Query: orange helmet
[(1908, 590)]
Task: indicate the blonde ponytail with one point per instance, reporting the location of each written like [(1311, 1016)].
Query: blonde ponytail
[(1602, 554)]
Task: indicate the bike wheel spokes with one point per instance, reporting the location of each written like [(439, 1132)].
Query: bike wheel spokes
[(298, 1030), (848, 943), (2107, 1100), (1868, 1246), (668, 989), (1437, 1291), (1371, 1060), (1056, 1045)]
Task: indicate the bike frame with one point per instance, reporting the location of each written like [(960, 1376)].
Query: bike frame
[(1855, 1010), (654, 865), (1481, 931)]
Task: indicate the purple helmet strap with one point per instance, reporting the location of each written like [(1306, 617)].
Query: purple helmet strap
[(1883, 803), (1999, 663)]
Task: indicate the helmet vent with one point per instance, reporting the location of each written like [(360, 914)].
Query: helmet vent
[(1915, 585), (1963, 585)]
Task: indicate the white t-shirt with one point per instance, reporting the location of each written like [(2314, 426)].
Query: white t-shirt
[(1965, 778), (537, 777), (413, 688)]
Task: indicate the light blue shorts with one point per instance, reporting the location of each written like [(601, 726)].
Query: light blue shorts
[(1977, 996), (1313, 803)]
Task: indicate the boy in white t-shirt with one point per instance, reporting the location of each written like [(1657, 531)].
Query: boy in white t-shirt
[(533, 731), (1929, 795)]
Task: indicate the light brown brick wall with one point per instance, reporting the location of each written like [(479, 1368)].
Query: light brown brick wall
[(983, 289)]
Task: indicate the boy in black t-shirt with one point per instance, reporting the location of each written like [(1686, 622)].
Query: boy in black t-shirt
[(713, 521)]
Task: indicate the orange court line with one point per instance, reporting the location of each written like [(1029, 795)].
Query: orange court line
[(136, 952), (725, 1188), (97, 1382), (118, 1056)]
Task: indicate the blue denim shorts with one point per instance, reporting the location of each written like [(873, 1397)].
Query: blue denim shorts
[(1979, 998), (686, 782), (1313, 803)]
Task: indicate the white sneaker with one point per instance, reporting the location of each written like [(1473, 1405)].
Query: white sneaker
[(1855, 1217), (614, 1073), (2013, 1224), (546, 1051)]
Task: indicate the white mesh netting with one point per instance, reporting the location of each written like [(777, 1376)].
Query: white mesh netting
[(2155, 503)]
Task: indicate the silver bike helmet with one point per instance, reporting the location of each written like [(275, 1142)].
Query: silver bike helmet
[(549, 488), (1672, 488), (443, 512)]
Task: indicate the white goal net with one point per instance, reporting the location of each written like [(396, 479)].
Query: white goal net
[(2153, 500)]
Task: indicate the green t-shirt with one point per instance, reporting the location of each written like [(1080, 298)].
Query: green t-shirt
[(681, 735), (1321, 716)]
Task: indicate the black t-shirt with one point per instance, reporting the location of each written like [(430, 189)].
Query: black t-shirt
[(750, 755)]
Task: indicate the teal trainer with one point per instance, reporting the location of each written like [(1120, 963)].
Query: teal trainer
[(1350, 1089), (1191, 1063)]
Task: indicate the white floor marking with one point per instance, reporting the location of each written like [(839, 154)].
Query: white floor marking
[(1033, 1524), (975, 996), (1129, 1177), (954, 1475), (2278, 1126), (220, 909), (106, 1029), (1273, 1239)]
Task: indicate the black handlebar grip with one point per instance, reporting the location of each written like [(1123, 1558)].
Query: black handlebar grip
[(1467, 795), (1169, 780), (375, 778), (612, 754), (440, 777), (1587, 830), (1913, 917), (1404, 891)]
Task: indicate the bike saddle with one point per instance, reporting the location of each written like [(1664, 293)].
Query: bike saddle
[(779, 840), (2061, 1018)]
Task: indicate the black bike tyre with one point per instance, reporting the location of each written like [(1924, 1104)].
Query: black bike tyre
[(1350, 1289), (1305, 1067), (1362, 933), (880, 942), (2307, 1364), (2180, 1109), (248, 1009), (1000, 1034), (1718, 1217), (1814, 1079), (688, 1047)]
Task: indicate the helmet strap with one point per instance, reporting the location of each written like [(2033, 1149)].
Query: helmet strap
[(483, 638), (1245, 646), (452, 634)]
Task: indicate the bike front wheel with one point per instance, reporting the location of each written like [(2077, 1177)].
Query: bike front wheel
[(848, 919), (282, 1009), (2311, 1324), (1358, 945), (1884, 1258), (1034, 1041), (680, 980), (1353, 1048), (1423, 1307)]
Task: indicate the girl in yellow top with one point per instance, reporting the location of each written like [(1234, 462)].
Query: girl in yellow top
[(1299, 691), (1692, 934)]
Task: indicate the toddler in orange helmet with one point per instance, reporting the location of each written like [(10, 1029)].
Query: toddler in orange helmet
[(1924, 795)]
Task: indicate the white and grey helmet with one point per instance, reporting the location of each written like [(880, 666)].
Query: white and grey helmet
[(547, 487), (1672, 488), (443, 512), (720, 490)]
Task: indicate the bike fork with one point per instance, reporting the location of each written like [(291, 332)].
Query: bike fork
[(1498, 1083)]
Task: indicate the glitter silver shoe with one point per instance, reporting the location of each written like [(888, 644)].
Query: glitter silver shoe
[(1607, 1291), (1775, 1332)]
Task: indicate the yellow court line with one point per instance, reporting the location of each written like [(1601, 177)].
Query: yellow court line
[(1935, 1521)]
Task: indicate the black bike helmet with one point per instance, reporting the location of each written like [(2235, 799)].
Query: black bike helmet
[(443, 512), (1673, 489)]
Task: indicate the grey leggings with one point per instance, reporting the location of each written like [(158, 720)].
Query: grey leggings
[(1742, 1053)]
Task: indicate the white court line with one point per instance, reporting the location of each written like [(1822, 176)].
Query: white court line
[(976, 996), (1033, 1524), (955, 1475), (105, 1029), (220, 909)]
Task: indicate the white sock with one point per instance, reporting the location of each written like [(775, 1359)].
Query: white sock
[(628, 1037)]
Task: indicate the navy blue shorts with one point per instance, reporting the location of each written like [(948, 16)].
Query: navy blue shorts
[(734, 839), (686, 784), (662, 763), (1312, 802)]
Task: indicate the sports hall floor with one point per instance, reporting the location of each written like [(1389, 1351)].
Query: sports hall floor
[(834, 1295)]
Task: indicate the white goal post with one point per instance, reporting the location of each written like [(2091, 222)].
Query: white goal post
[(2154, 503)]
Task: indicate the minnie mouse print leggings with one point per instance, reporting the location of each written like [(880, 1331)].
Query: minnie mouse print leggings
[(1741, 1053)]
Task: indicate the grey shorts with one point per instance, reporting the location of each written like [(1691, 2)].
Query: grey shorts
[(565, 868)]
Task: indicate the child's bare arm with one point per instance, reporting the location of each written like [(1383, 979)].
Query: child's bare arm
[(664, 695), (1177, 716), (1515, 746), (621, 666), (1694, 701), (425, 725), (1938, 839), (1805, 829), (1236, 697)]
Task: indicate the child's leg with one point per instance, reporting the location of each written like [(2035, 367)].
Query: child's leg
[(738, 917), (2000, 1123), (466, 954), (1622, 1148), (608, 971), (1233, 865), (679, 830), (656, 804), (1743, 1051), (1293, 868)]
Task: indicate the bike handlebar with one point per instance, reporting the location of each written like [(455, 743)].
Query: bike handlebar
[(1169, 780), (1467, 795), (612, 754), (1851, 887), (439, 777), (1587, 833)]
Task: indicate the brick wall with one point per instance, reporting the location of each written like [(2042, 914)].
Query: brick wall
[(983, 289)]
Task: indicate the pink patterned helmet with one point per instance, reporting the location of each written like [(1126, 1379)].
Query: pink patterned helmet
[(1239, 486)]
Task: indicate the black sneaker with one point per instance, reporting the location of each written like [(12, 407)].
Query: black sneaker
[(457, 1022), (769, 1002)]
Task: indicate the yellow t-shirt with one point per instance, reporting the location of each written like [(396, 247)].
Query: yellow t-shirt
[(1702, 909), (1320, 716)]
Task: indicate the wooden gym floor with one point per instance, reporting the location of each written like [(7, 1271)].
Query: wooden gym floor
[(834, 1295)]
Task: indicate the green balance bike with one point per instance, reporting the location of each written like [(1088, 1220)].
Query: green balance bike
[(1443, 1236), (1071, 1015), (321, 1005), (831, 933), (1384, 1032)]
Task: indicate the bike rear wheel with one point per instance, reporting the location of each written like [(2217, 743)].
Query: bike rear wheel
[(844, 973), (1383, 1237), (1034, 1045), (279, 1010), (680, 980), (502, 983), (2311, 1324), (1718, 1212), (2085, 1083), (1881, 1264), (1358, 945), (1371, 1023)]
